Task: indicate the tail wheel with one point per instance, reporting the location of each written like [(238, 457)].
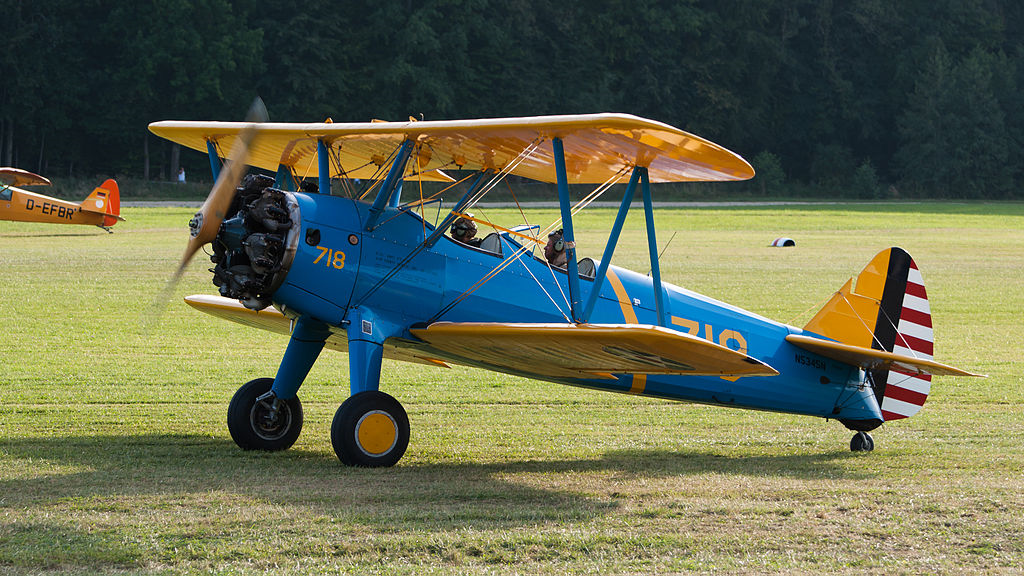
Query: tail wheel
[(862, 442), (370, 430), (270, 424)]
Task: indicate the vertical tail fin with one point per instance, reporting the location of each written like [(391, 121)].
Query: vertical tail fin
[(886, 310), (105, 199)]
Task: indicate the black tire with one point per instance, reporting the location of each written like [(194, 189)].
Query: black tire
[(252, 424), (370, 430), (862, 442)]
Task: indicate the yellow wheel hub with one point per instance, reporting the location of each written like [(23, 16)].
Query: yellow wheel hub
[(376, 433)]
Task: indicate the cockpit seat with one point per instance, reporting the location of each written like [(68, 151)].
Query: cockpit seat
[(587, 268), (491, 243)]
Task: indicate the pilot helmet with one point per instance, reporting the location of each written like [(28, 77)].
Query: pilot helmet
[(462, 228), (559, 244)]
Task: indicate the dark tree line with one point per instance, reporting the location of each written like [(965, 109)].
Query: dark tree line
[(857, 98)]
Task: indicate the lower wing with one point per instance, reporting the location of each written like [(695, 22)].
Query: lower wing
[(587, 350)]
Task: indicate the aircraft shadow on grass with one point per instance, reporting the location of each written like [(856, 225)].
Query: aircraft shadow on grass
[(438, 496)]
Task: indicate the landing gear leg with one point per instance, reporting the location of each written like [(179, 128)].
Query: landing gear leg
[(862, 442), (266, 414)]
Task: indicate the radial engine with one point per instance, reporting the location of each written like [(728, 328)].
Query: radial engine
[(256, 243)]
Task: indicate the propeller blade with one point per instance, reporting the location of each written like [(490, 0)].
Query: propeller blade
[(205, 225)]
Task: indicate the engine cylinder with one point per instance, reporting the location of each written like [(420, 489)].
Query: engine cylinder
[(255, 245)]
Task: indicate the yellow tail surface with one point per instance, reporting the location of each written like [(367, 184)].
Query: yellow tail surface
[(886, 309), (105, 199)]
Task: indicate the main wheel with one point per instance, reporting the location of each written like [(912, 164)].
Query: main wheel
[(370, 430), (862, 442), (256, 424)]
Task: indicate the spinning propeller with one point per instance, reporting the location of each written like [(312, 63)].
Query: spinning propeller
[(206, 223)]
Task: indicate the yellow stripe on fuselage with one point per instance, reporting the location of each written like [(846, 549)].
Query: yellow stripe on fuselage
[(629, 317)]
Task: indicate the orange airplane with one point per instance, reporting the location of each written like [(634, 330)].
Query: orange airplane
[(101, 208)]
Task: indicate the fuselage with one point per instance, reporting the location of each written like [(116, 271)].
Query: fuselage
[(340, 268), (23, 206)]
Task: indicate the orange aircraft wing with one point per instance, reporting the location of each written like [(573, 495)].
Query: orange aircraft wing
[(19, 177)]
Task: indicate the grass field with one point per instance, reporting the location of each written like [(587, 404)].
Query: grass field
[(115, 456)]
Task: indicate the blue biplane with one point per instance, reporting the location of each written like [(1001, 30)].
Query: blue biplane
[(367, 272)]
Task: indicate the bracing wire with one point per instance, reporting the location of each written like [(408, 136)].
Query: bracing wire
[(902, 339), (524, 154), (590, 198), (596, 193), (436, 194), (479, 283), (519, 207), (346, 184), (863, 322), (408, 258), (377, 180), (309, 166)]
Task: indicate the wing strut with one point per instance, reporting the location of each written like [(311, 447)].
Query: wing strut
[(567, 233), (652, 246), (391, 183), (613, 240), (323, 167), (211, 151), (639, 174)]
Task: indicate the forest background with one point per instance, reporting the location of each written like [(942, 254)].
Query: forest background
[(826, 98)]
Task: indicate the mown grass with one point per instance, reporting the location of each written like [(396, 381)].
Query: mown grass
[(114, 455)]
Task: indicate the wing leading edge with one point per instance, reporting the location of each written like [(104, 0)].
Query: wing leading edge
[(588, 350)]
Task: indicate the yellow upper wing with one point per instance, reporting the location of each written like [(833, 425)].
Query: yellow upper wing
[(597, 146), (587, 350)]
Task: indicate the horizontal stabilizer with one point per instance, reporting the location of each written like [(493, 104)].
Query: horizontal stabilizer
[(871, 359), (884, 321), (586, 350), (272, 320)]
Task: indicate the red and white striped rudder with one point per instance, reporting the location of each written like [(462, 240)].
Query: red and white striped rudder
[(904, 326)]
